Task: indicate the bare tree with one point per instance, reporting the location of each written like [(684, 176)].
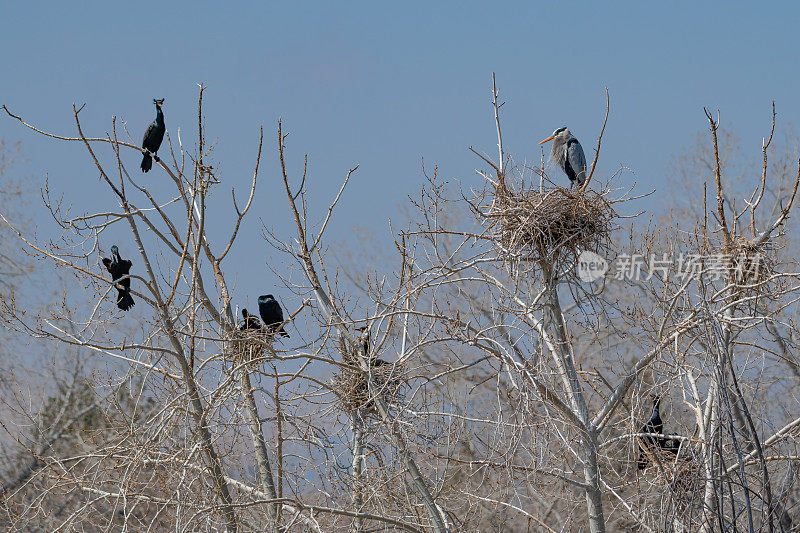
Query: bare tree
[(474, 380)]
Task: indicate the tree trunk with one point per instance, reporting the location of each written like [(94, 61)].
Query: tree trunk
[(709, 493), (591, 475), (260, 446), (356, 471)]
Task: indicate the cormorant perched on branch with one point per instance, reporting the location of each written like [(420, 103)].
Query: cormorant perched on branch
[(272, 314), (153, 137), (655, 425), (568, 153), (249, 322), (119, 268)]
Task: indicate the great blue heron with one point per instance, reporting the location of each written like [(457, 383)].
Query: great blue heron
[(363, 339), (272, 314), (153, 137), (568, 153)]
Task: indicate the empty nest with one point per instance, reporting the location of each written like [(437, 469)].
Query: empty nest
[(353, 391), (748, 263), (546, 224)]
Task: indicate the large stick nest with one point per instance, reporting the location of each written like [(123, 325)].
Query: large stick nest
[(750, 264), (352, 387), (681, 473), (247, 345), (546, 225)]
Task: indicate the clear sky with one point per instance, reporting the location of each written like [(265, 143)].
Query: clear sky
[(386, 85)]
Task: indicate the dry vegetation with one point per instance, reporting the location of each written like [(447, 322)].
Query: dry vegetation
[(553, 224), (496, 393)]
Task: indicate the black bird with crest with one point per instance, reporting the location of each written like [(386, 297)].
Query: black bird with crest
[(119, 269), (153, 137)]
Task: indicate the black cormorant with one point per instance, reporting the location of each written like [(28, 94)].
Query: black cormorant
[(119, 268), (568, 153), (655, 425), (272, 314), (153, 137), (249, 322)]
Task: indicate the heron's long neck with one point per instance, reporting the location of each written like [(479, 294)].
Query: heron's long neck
[(558, 151)]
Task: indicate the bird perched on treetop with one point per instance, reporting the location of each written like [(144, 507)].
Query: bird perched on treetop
[(249, 322), (568, 153), (271, 313), (153, 137), (119, 268)]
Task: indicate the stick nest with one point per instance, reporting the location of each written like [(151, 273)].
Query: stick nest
[(353, 391), (750, 264), (553, 223), (246, 345), (681, 474)]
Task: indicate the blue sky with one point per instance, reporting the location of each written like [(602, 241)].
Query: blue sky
[(386, 85)]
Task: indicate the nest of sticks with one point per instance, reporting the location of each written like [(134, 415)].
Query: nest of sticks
[(247, 345), (551, 224), (352, 388), (685, 478), (682, 474), (680, 471), (750, 265)]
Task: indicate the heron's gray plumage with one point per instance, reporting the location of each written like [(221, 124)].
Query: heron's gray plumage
[(568, 153)]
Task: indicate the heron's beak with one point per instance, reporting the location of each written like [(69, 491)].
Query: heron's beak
[(548, 139)]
